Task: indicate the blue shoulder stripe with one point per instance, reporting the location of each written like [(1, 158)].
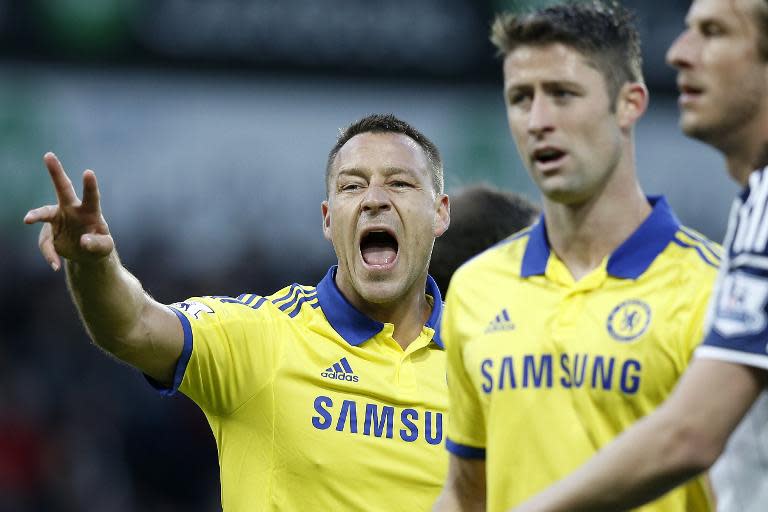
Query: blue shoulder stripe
[(247, 298), (300, 297), (301, 302), (288, 295), (297, 296), (709, 244), (226, 299), (259, 303), (698, 249)]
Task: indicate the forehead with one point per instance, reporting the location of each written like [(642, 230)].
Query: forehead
[(379, 151), (554, 62), (738, 14)]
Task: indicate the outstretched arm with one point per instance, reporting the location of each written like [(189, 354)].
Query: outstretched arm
[(676, 442), (464, 489), (119, 315)]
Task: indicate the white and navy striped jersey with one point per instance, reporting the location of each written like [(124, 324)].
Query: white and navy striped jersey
[(737, 331)]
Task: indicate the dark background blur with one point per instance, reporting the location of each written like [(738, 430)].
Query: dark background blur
[(208, 123)]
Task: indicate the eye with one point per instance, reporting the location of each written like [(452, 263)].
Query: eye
[(401, 184), (518, 98), (711, 29), (563, 93), (350, 187)]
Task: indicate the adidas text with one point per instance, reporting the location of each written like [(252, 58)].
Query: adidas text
[(340, 376)]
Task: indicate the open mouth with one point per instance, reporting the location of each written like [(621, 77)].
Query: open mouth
[(378, 248), (688, 93), (547, 155), (690, 90)]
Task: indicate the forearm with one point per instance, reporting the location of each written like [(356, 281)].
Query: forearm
[(464, 489), (120, 317), (651, 459), (447, 501), (111, 302), (451, 500), (682, 438)]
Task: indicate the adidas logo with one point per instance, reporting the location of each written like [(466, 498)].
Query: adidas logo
[(340, 371), (502, 322)]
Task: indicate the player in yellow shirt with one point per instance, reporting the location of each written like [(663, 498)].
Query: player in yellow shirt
[(717, 414), (564, 335), (327, 397)]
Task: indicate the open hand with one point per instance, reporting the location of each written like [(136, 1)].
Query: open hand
[(73, 229)]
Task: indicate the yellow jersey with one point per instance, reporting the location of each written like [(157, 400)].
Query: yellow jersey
[(314, 406), (543, 370)]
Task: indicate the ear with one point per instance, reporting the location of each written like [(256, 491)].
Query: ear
[(324, 208), (442, 215), (631, 103)]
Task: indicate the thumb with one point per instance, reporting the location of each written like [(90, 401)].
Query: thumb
[(97, 245)]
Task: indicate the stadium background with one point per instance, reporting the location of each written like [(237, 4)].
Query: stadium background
[(208, 123)]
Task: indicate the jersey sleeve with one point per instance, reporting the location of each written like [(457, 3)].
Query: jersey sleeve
[(466, 428), (739, 325), (230, 352), (739, 315)]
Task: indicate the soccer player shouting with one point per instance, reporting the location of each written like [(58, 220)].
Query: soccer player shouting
[(327, 397), (575, 328)]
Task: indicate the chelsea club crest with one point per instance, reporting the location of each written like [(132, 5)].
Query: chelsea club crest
[(629, 320)]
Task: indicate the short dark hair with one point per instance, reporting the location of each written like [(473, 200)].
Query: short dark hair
[(604, 33), (481, 216), (388, 123)]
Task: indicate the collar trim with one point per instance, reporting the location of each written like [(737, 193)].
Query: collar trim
[(354, 326), (630, 260)]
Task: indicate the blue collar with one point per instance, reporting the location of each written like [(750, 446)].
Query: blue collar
[(629, 260), (354, 326)]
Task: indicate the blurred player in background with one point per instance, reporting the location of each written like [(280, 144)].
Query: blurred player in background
[(722, 64), (481, 216), (327, 397), (562, 337)]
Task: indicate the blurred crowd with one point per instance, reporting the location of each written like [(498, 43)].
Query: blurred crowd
[(78, 432)]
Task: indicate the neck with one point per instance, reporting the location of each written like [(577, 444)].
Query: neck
[(746, 149), (741, 160), (407, 313), (583, 235)]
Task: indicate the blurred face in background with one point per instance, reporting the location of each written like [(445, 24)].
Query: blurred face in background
[(722, 78), (559, 112), (382, 216)]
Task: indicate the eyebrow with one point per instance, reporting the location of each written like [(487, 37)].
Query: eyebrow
[(547, 85), (388, 171), (551, 81)]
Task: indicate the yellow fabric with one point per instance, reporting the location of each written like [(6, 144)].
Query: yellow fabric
[(544, 371), (292, 435)]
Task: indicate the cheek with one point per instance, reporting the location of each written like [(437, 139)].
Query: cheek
[(516, 128)]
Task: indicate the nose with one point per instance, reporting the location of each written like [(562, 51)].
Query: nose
[(375, 199), (682, 52), (540, 119)]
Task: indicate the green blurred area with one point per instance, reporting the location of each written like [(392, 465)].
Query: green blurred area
[(24, 128), (87, 27)]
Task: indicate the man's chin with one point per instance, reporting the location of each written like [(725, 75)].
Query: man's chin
[(693, 127), (380, 293)]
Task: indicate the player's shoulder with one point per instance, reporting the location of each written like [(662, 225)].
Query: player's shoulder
[(290, 300), (507, 253), (287, 301), (748, 225), (691, 251)]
